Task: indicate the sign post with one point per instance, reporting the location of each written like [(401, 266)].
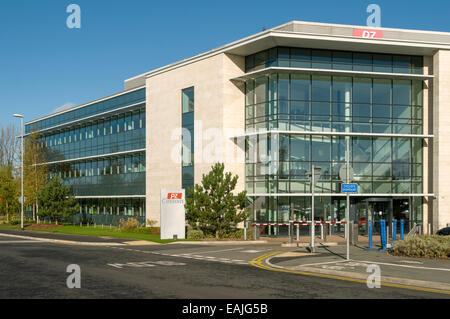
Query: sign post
[(173, 215), (315, 176), (346, 173)]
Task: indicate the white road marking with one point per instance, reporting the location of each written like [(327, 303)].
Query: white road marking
[(213, 251), (410, 262), (329, 262), (252, 251), (147, 264), (405, 266), (22, 242), (188, 256)]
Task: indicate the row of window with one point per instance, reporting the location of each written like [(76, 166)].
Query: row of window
[(113, 206), (324, 88), (397, 170), (118, 134), (293, 148), (277, 209), (304, 187), (339, 60), (100, 167), (304, 110), (114, 125), (326, 126), (92, 109), (108, 185)]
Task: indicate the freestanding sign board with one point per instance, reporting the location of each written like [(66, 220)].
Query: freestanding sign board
[(173, 216)]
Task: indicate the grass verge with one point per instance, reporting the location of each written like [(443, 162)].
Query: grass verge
[(98, 232)]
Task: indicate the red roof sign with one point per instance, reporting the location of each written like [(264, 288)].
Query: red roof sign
[(368, 34)]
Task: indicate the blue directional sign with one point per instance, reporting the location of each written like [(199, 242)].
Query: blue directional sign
[(349, 188)]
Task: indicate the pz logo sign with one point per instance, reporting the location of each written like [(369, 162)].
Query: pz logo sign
[(175, 196), (367, 34)]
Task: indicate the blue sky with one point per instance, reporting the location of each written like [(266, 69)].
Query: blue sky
[(44, 64)]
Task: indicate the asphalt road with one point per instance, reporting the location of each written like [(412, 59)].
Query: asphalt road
[(32, 269)]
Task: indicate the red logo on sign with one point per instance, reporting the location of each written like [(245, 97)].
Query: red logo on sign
[(175, 196), (368, 34)]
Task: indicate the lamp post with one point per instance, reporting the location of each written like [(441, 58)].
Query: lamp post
[(22, 198)]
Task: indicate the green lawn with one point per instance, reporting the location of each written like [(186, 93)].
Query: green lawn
[(98, 231)]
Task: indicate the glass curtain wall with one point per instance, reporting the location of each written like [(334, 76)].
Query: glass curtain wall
[(341, 104), (118, 133), (338, 60), (110, 104)]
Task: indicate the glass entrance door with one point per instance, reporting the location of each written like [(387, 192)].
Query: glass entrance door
[(371, 209), (379, 208)]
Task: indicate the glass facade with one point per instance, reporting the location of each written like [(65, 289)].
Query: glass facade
[(187, 106), (303, 102), (102, 159), (338, 60), (113, 134), (388, 168), (118, 175), (107, 105)]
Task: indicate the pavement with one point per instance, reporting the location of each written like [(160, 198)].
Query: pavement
[(420, 275), (331, 261)]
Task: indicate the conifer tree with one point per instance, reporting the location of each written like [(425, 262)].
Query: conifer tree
[(56, 202), (212, 206)]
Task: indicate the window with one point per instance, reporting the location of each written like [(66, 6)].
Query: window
[(188, 100), (300, 87)]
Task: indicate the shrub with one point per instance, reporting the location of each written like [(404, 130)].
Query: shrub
[(195, 234), (129, 224), (151, 223), (424, 246), (238, 234)]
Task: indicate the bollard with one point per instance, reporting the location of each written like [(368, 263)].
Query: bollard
[(102, 226), (394, 231), (298, 232), (387, 237), (370, 234), (245, 230), (402, 229), (110, 227), (321, 231), (383, 234)]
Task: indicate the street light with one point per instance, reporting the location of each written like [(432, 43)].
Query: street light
[(22, 198)]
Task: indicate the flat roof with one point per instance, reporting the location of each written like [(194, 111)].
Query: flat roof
[(321, 36)]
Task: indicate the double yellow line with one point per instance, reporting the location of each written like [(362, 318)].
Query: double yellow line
[(258, 262)]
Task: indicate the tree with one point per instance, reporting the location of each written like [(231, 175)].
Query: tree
[(35, 175), (9, 146), (212, 206), (9, 191), (56, 202)]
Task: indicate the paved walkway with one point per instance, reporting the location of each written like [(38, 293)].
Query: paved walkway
[(427, 273)]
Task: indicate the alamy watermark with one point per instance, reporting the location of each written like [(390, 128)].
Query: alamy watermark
[(74, 279), (74, 19), (374, 20), (374, 279)]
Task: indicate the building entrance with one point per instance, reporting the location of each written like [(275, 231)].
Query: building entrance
[(374, 209)]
